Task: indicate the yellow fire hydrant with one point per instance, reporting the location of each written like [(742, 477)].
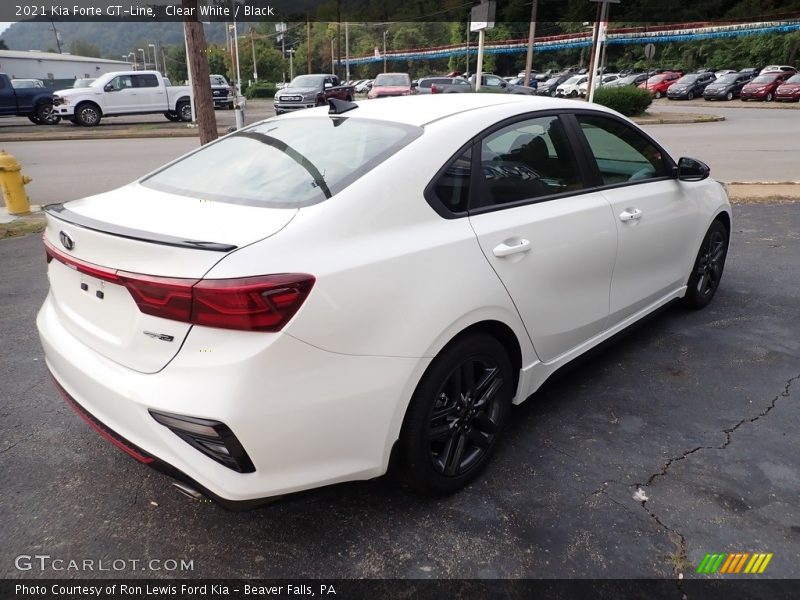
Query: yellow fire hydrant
[(13, 183)]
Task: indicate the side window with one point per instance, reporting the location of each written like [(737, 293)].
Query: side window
[(121, 83), (493, 81), (527, 160), (145, 81), (452, 186), (622, 153)]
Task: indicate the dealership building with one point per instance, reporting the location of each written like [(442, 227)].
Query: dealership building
[(55, 70)]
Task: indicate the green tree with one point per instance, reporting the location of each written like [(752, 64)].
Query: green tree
[(84, 48)]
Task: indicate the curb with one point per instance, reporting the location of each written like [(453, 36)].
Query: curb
[(762, 192), (676, 119)]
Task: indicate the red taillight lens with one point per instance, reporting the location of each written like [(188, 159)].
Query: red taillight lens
[(256, 303), (262, 303), (434, 89)]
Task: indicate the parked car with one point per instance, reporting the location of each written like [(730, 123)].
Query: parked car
[(789, 90), (83, 82), (20, 84), (633, 79), (392, 84), (771, 68), (306, 91), (750, 71), (247, 319), (722, 72), (36, 103), (123, 93), (221, 92), (571, 87), (689, 86), (599, 81), (493, 84), (726, 87), (763, 87), (532, 83), (658, 84), (443, 85), (364, 86), (549, 87)]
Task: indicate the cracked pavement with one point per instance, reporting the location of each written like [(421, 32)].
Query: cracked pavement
[(699, 410)]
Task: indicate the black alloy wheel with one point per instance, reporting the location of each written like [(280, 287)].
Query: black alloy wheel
[(457, 413), (707, 273)]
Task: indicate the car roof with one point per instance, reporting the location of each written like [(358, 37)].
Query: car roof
[(419, 110)]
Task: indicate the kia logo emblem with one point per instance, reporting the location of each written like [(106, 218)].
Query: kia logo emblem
[(66, 240)]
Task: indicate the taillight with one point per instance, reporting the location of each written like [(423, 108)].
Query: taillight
[(434, 89), (261, 303)]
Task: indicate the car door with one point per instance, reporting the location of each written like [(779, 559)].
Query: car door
[(492, 83), (550, 241), (120, 95), (656, 219), (151, 97)]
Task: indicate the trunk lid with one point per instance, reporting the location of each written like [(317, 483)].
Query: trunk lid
[(148, 232)]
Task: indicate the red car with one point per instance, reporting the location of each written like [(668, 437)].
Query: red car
[(658, 84), (789, 91), (392, 84), (763, 87)]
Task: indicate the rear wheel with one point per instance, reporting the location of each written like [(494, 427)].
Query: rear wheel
[(87, 115), (457, 414), (708, 266)]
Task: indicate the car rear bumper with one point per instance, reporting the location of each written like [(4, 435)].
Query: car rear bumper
[(305, 417)]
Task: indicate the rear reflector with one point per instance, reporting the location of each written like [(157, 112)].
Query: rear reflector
[(261, 303), (212, 438)]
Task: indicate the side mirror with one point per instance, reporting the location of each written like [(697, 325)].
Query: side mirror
[(690, 169), (503, 84), (109, 88)]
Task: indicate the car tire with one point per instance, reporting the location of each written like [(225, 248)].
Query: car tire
[(465, 396), (729, 96), (47, 115), (87, 114), (769, 97), (349, 98), (184, 111), (657, 95), (690, 96), (708, 266), (172, 116), (34, 119)]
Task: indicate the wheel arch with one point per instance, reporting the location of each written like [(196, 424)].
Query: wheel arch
[(92, 102)]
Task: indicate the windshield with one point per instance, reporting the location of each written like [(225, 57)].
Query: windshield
[(657, 78), (573, 80), (794, 79), (313, 81), (687, 79), (393, 79), (218, 80), (284, 164), (766, 78), (729, 78)]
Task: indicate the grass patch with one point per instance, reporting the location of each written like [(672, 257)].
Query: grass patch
[(20, 228)]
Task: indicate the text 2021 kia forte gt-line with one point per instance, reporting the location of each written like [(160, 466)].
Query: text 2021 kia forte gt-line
[(282, 308)]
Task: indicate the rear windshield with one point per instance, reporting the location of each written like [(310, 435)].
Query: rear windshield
[(284, 163), (391, 79)]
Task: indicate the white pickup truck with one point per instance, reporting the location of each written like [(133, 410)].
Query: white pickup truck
[(123, 93)]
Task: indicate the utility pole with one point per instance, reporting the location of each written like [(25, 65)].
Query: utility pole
[(531, 36), (595, 35), (253, 41), (57, 34), (198, 69), (347, 50), (600, 39), (308, 43), (384, 51), (338, 37)]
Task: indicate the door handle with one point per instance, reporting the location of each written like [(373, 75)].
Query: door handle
[(630, 215), (514, 247)]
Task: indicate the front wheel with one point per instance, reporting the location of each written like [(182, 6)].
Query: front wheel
[(87, 115), (184, 111), (690, 96), (658, 95), (769, 97), (708, 266), (457, 414), (47, 114), (729, 96), (34, 119), (172, 116)]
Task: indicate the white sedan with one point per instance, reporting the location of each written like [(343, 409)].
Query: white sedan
[(295, 303)]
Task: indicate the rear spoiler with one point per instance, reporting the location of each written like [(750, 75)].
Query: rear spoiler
[(64, 214)]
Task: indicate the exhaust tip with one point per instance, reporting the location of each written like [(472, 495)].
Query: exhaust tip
[(188, 491)]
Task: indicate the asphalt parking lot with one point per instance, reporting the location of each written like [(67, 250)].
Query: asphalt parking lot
[(695, 411)]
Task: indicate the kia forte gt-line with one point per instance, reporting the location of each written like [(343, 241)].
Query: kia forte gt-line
[(291, 305)]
